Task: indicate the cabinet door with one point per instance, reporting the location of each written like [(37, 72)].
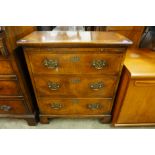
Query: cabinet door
[(139, 103)]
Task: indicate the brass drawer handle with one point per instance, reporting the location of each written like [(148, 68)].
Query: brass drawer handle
[(94, 106), (5, 108), (56, 106), (50, 63), (99, 64), (96, 85), (53, 85)]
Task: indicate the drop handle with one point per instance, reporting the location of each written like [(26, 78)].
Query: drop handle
[(50, 63), (96, 85), (56, 106), (99, 64), (94, 106), (5, 107), (53, 85)]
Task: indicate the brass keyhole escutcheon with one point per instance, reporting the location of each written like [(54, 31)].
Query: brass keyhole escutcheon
[(75, 81), (75, 101), (75, 59)]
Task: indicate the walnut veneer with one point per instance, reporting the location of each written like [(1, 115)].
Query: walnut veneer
[(74, 74), (15, 96)]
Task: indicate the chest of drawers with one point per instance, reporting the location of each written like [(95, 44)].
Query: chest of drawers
[(15, 99), (74, 74)]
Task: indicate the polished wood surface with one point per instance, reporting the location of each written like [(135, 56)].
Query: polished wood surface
[(75, 86), (9, 88), (141, 63), (132, 32), (73, 106), (119, 28), (135, 101), (14, 33), (5, 67), (14, 92), (71, 38), (12, 107), (73, 65)]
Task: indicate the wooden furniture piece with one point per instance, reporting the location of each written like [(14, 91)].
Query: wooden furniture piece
[(15, 99), (135, 100), (132, 32), (74, 74)]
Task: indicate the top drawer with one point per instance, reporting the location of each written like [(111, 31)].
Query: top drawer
[(75, 63)]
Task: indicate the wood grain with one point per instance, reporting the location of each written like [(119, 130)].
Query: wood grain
[(73, 106), (14, 90), (75, 86), (135, 100), (75, 63), (73, 38), (16, 107), (73, 75)]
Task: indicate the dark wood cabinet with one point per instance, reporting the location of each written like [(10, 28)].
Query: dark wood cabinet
[(15, 96), (74, 74)]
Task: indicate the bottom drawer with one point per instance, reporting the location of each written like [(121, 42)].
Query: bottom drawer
[(12, 107), (73, 106)]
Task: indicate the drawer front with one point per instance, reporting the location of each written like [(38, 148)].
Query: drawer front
[(9, 88), (75, 86), (73, 106), (12, 107), (5, 67), (46, 63)]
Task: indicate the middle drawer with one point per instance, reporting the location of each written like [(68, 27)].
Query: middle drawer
[(75, 86)]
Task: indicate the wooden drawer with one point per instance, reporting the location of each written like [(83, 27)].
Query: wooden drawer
[(73, 106), (75, 86), (47, 63), (5, 67), (12, 107), (9, 88)]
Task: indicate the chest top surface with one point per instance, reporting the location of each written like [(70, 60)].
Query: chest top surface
[(140, 63), (70, 38)]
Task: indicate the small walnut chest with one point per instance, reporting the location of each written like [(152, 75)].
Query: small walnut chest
[(74, 73)]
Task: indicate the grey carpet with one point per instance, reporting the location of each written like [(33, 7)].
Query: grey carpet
[(54, 124)]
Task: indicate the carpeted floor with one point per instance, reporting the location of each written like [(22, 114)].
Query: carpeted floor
[(54, 124)]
